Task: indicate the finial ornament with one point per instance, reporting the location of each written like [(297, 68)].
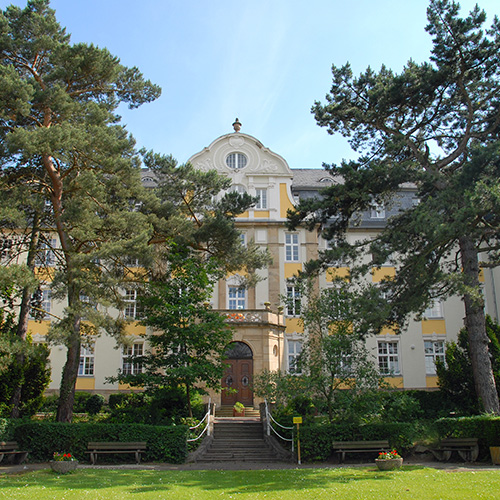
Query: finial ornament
[(237, 125)]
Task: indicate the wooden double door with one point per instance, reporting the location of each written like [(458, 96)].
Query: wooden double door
[(237, 379)]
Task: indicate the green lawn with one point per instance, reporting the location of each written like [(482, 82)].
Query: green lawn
[(412, 482)]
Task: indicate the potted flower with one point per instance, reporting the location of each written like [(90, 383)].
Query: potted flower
[(63, 462), (238, 410), (388, 460)]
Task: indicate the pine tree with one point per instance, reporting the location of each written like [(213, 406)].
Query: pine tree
[(435, 125), (57, 118)]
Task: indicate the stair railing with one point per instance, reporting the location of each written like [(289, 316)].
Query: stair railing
[(208, 423), (270, 420)]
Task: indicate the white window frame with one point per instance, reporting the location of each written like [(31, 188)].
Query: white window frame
[(434, 350), (243, 238), (128, 366), (86, 366), (236, 161), (388, 357), (130, 299), (46, 303), (377, 211), (261, 194), (292, 247), (294, 348), (435, 310), (236, 297), (46, 255), (293, 301)]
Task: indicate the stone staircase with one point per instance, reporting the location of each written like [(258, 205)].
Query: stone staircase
[(237, 440), (227, 411)]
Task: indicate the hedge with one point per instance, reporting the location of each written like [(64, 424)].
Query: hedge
[(316, 440), (486, 428), (42, 439)]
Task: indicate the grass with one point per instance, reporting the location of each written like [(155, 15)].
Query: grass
[(411, 482)]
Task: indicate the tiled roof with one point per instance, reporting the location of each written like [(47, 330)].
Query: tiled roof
[(316, 178)]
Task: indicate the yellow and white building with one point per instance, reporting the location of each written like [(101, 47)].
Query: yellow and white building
[(268, 334)]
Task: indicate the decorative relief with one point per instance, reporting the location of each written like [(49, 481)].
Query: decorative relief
[(236, 141), (264, 166), (205, 165)]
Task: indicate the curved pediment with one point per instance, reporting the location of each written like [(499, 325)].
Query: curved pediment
[(240, 153)]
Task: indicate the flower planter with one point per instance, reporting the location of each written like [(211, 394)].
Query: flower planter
[(390, 464), (495, 454), (63, 467)]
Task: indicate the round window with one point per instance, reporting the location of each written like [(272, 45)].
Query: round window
[(236, 160)]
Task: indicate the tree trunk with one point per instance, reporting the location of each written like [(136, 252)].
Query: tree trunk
[(68, 381), (476, 327), (70, 371)]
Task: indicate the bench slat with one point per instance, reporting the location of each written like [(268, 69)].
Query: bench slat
[(100, 447), (344, 447)]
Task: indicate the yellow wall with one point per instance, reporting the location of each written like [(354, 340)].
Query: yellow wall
[(396, 382), (431, 381), (292, 269), (430, 326), (379, 273), (85, 384), (333, 273), (261, 214), (285, 202)]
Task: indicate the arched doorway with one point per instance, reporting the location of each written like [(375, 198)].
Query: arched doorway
[(238, 375)]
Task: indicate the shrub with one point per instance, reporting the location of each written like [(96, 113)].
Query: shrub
[(486, 428), (49, 403), (94, 404), (165, 444), (81, 398)]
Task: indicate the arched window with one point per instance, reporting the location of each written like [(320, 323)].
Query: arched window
[(236, 160)]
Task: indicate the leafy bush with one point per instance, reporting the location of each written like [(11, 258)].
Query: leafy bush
[(484, 427), (94, 404), (165, 444), (316, 440), (434, 404), (81, 398), (35, 376), (49, 403), (163, 406)]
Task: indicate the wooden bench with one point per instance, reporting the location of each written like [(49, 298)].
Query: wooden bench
[(467, 448), (344, 447), (96, 448), (8, 449)]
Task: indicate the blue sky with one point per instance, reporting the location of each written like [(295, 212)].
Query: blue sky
[(263, 61)]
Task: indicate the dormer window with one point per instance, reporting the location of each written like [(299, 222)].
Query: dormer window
[(236, 161)]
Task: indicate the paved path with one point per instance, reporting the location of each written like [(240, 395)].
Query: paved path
[(449, 466)]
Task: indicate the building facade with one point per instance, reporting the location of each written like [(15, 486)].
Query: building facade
[(268, 332)]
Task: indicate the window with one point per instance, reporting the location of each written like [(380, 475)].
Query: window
[(435, 310), (86, 367), (237, 188), (46, 256), (377, 211), (434, 350), (236, 298), (129, 366), (261, 199), (130, 300), (388, 358), (236, 160), (41, 299), (243, 239), (293, 301), (291, 247), (6, 245), (294, 350)]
